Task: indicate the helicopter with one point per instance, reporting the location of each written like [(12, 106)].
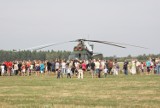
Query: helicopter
[(83, 50)]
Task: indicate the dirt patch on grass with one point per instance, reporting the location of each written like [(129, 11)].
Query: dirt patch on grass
[(6, 105)]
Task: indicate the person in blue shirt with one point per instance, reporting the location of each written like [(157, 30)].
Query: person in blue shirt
[(42, 67), (148, 64)]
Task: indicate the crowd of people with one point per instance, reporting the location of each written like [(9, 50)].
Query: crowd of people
[(77, 68), (151, 66)]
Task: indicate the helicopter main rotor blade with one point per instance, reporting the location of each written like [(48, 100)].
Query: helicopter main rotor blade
[(103, 42), (115, 43), (45, 46), (130, 45)]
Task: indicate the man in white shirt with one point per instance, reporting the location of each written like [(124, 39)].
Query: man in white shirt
[(2, 70), (63, 64), (97, 67), (80, 73), (16, 69)]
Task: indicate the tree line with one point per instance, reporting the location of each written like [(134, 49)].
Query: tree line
[(143, 57), (52, 55), (32, 55)]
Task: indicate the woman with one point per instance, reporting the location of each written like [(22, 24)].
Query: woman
[(23, 69), (115, 68), (133, 68), (37, 67)]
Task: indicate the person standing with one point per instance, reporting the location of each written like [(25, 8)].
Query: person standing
[(63, 64), (105, 71), (31, 68), (53, 66), (110, 66), (23, 69), (138, 65), (9, 68), (42, 67), (68, 69), (97, 67), (2, 69), (142, 68), (92, 68), (37, 67), (58, 73), (84, 66), (71, 64), (28, 65), (80, 72), (19, 68), (16, 68), (133, 68), (57, 66), (102, 67), (158, 68), (115, 68), (76, 65), (148, 64), (125, 67), (49, 67), (46, 68)]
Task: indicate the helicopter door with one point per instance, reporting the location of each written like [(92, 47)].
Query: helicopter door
[(79, 55)]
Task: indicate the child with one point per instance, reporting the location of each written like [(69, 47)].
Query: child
[(80, 72), (68, 72), (58, 73)]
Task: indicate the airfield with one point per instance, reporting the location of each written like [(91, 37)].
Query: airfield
[(132, 91)]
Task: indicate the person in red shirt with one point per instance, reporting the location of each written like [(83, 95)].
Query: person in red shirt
[(9, 68), (28, 68), (84, 66), (23, 69)]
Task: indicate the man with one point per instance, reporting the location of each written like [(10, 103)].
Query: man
[(92, 68), (148, 64), (80, 72), (125, 67), (110, 66), (97, 67), (76, 65), (63, 64), (2, 69), (158, 68), (57, 66), (49, 67), (53, 66), (19, 68), (16, 68), (68, 70)]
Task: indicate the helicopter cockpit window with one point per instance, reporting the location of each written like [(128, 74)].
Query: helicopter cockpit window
[(80, 56)]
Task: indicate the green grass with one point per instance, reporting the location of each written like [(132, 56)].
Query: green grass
[(47, 92)]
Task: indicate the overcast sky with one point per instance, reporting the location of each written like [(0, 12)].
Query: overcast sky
[(29, 23)]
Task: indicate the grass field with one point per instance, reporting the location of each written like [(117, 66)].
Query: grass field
[(47, 92)]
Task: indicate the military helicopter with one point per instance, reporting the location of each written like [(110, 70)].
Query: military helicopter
[(83, 50)]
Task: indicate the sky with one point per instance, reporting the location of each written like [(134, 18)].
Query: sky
[(28, 23)]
